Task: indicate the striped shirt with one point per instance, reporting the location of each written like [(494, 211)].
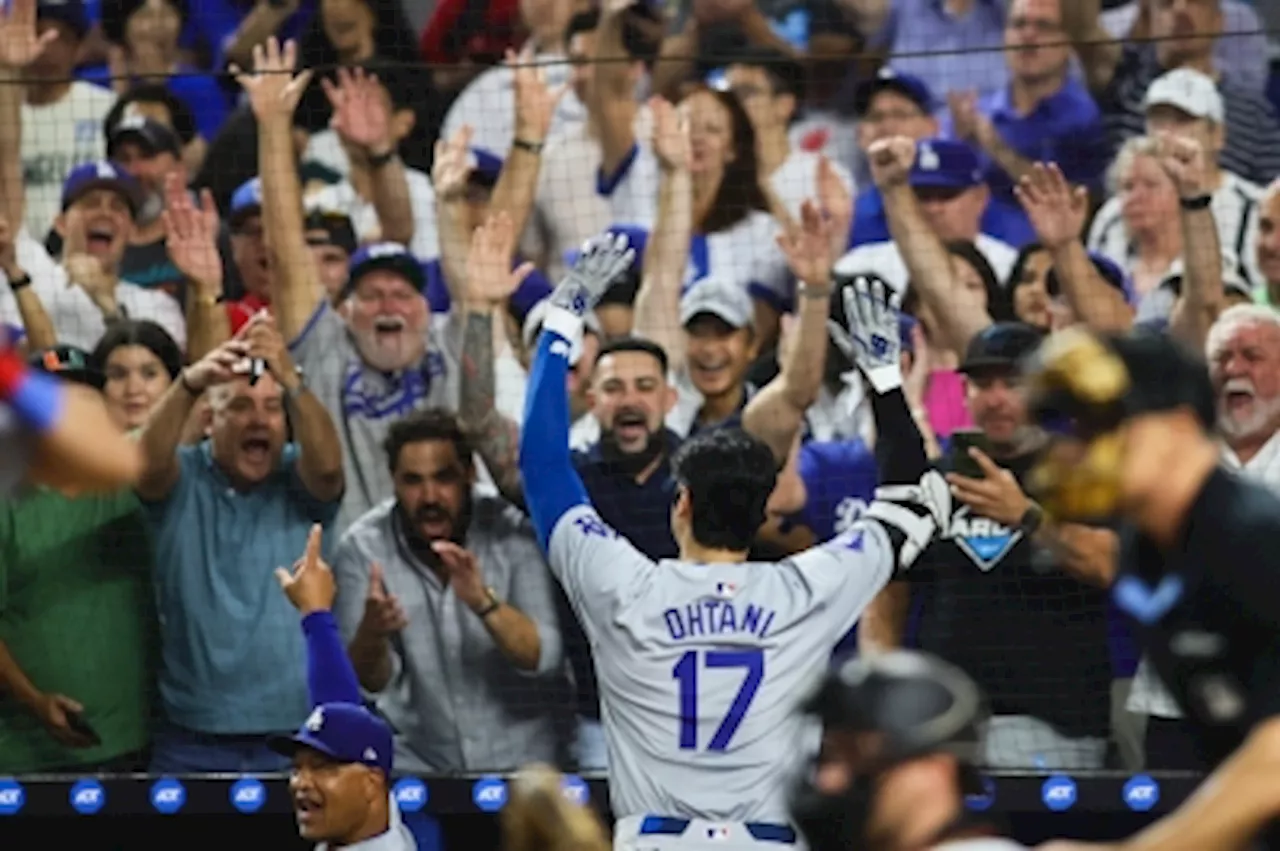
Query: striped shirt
[(1252, 128), (1235, 211)]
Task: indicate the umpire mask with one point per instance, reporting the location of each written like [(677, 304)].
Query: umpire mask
[(1076, 391)]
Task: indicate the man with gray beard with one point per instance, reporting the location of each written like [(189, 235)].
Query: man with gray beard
[(1243, 350)]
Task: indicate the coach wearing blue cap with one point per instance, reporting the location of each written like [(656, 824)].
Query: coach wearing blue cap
[(340, 785)]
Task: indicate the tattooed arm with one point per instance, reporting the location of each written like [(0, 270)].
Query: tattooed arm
[(496, 437)]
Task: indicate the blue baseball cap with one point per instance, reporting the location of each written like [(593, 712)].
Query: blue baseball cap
[(391, 256), (485, 166), (102, 174), (945, 164), (345, 732), (911, 87), (246, 201), (70, 12)]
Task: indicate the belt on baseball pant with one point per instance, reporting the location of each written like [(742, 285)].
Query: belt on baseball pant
[(759, 831)]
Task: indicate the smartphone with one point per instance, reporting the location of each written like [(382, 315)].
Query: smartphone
[(75, 720), (958, 457)]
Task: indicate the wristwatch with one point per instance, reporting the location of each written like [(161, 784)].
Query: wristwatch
[(493, 605), (377, 161), (1032, 520), (1200, 202)]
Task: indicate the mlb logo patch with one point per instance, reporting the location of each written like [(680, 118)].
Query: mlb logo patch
[(718, 833), (725, 590)]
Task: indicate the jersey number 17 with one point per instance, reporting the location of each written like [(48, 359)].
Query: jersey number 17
[(686, 674)]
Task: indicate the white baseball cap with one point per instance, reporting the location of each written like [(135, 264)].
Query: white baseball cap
[(1194, 93), (720, 298)]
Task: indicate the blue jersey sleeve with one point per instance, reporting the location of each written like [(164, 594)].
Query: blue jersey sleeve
[(551, 483), (330, 677)]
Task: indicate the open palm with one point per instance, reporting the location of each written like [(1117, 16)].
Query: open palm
[(19, 42), (490, 279), (273, 88), (451, 168), (360, 112), (191, 236)]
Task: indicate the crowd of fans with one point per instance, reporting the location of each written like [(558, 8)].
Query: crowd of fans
[(304, 252)]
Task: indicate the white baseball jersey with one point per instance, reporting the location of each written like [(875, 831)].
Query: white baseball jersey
[(702, 667)]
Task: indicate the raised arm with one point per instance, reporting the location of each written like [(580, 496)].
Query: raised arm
[(489, 283), (776, 413), (958, 312), (1098, 52), (311, 589), (657, 304), (191, 239), (1201, 299), (319, 449), (450, 173), (163, 431), (362, 118), (551, 484), (1058, 212), (19, 47), (273, 92), (612, 101), (35, 319), (535, 105)]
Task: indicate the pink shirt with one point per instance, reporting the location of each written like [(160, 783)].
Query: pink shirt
[(944, 402)]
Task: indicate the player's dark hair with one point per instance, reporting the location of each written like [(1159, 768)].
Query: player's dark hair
[(430, 424), (184, 120), (642, 31), (786, 75), (635, 344), (728, 475)]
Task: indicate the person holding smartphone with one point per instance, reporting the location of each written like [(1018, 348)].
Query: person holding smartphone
[(998, 589)]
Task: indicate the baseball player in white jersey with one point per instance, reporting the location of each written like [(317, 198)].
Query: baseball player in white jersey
[(704, 661)]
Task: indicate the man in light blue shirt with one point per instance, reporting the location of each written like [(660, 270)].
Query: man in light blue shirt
[(227, 513)]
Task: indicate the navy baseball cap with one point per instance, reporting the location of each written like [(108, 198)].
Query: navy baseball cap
[(911, 87), (70, 12), (945, 164), (246, 201), (344, 732), (154, 137), (486, 166), (391, 256), (102, 174), (1001, 346)]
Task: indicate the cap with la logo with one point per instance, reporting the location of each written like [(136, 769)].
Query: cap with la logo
[(102, 174), (344, 732), (945, 164)]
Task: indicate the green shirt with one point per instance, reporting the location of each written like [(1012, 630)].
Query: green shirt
[(76, 613)]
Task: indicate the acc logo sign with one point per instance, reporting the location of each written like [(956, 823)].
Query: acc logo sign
[(248, 795), (1141, 793), (12, 797), (490, 793), (985, 801), (575, 789), (410, 794), (88, 797), (1059, 793), (168, 796)]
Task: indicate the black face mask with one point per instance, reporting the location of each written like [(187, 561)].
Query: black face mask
[(630, 463), (834, 822)]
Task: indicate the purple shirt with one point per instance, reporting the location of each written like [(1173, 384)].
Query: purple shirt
[(946, 51)]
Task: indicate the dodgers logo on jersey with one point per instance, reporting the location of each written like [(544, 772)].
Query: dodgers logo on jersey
[(88, 797), (12, 797), (1141, 793), (981, 802), (490, 793), (168, 796), (575, 789), (410, 794), (982, 539), (847, 513), (247, 795), (1058, 793)]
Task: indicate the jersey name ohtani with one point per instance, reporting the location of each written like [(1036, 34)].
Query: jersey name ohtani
[(703, 618)]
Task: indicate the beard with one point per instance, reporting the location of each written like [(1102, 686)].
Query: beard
[(419, 544), (1260, 419), (631, 463)]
